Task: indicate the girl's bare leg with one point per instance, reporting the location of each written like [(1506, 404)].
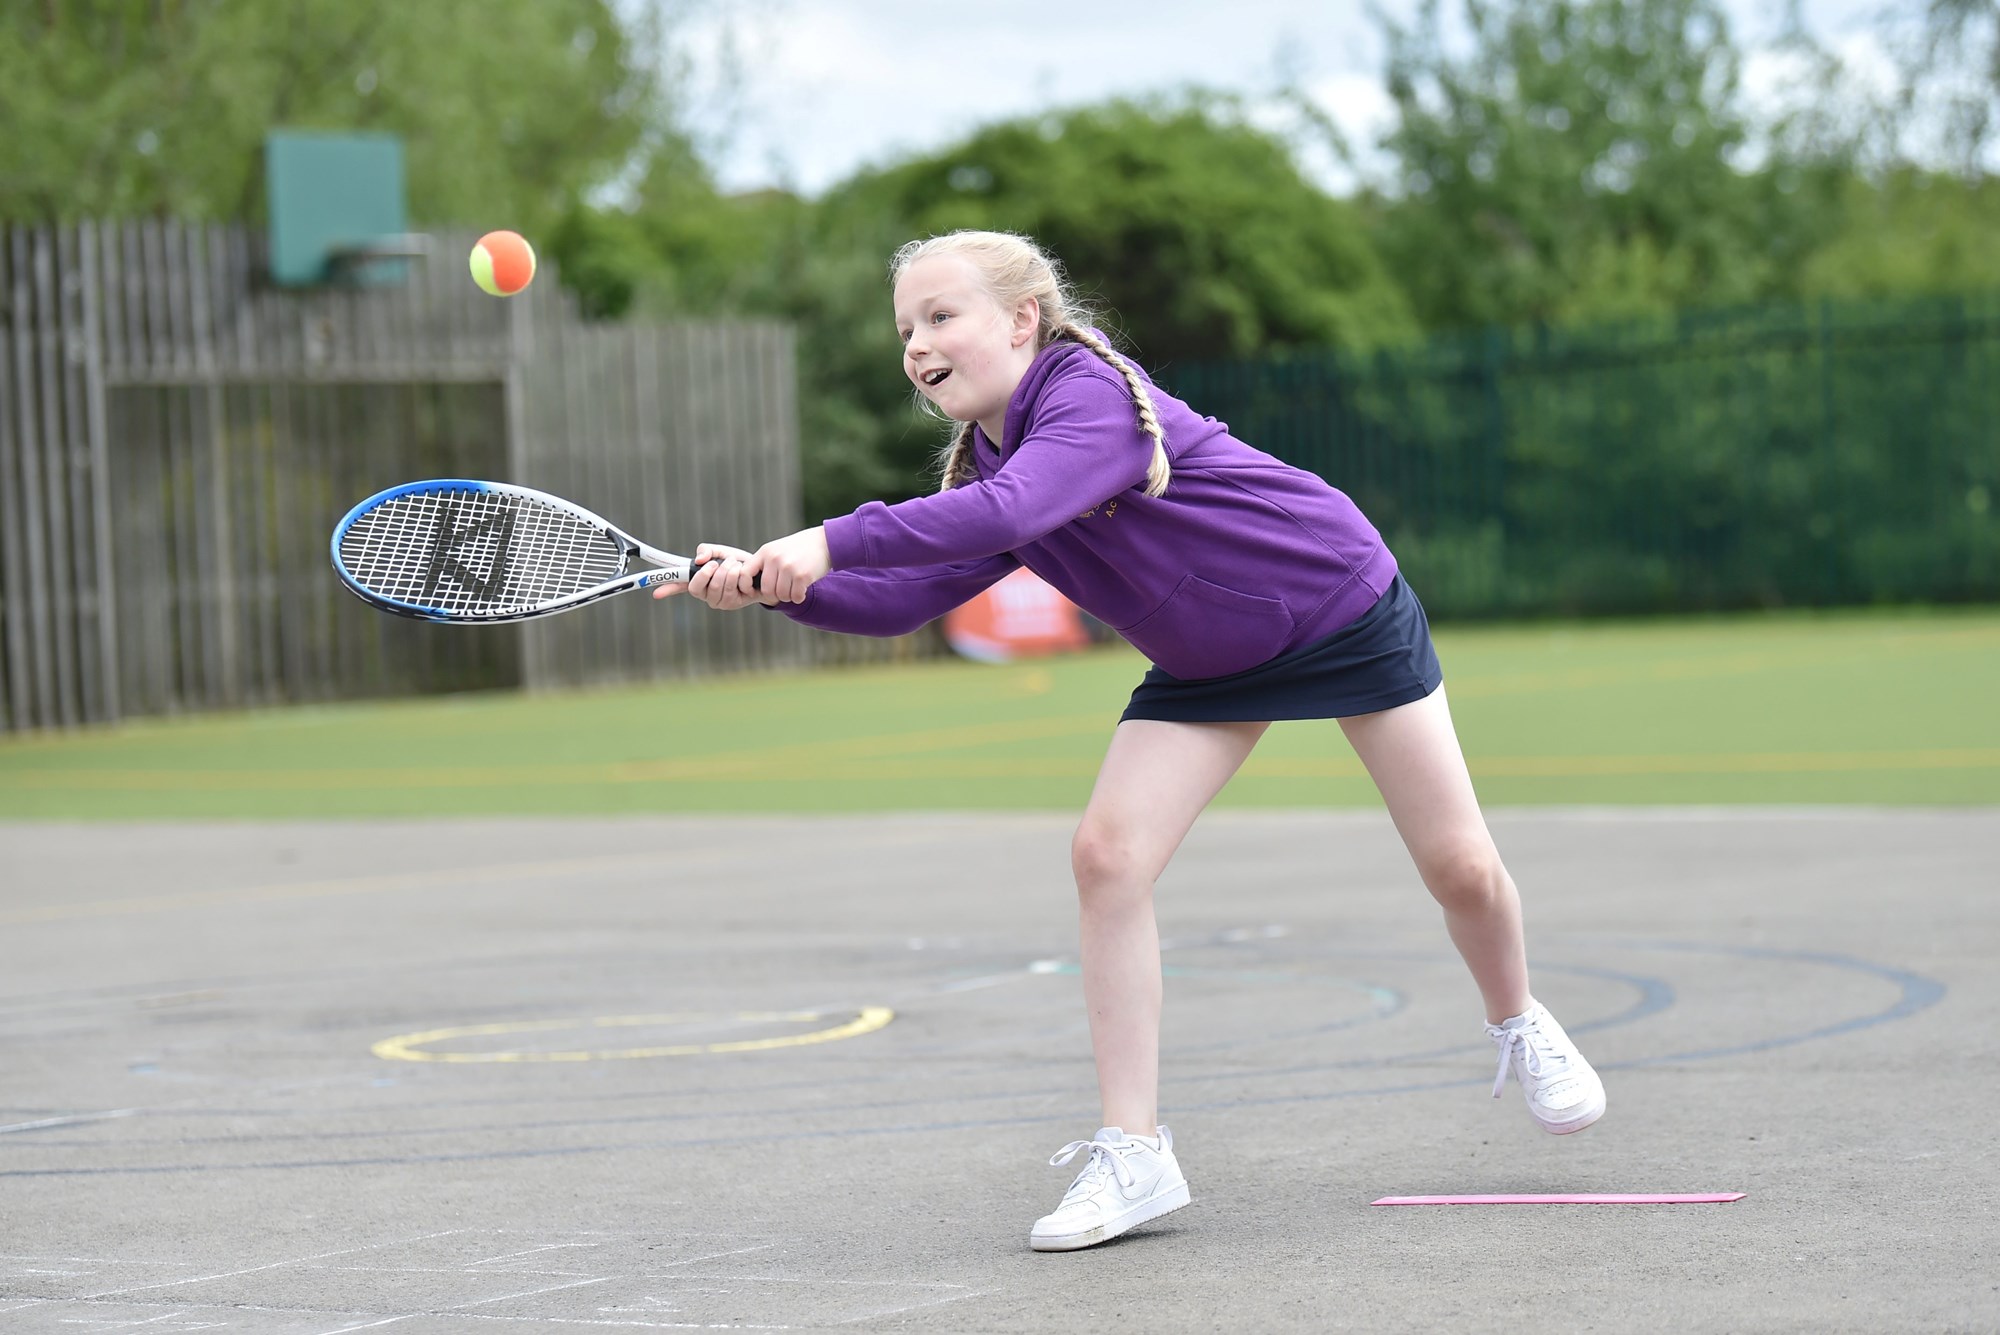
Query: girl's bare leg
[(1156, 778), (1413, 755)]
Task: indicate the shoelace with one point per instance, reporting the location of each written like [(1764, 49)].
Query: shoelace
[(1538, 1054), (1102, 1157)]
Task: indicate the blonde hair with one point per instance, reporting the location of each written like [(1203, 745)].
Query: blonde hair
[(1015, 268)]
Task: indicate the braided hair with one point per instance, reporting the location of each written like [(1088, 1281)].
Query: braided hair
[(1015, 268)]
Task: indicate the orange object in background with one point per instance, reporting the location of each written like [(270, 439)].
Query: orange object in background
[(1019, 617)]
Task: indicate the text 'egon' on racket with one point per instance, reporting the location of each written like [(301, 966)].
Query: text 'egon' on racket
[(452, 549)]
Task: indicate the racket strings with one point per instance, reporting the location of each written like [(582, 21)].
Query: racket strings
[(461, 552)]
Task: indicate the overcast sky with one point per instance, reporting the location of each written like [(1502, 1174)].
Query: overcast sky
[(828, 86)]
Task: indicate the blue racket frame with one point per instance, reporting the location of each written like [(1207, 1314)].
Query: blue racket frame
[(669, 568)]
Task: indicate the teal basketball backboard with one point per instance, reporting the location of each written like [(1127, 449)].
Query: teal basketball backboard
[(336, 204)]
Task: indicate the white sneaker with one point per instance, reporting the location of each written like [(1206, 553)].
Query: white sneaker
[(1129, 1180), (1563, 1093)]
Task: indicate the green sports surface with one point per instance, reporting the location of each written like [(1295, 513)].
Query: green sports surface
[(1895, 707)]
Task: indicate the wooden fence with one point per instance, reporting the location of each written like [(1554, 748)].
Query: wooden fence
[(177, 440)]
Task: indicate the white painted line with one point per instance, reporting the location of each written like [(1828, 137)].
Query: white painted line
[(935, 1302), (989, 980), (530, 1293), (367, 1325), (437, 1270), (534, 1251), (820, 1279), (275, 1265), (76, 1120), (714, 1256), (647, 1325), (83, 1260)]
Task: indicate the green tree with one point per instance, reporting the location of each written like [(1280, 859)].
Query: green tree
[(1911, 231), (678, 246), (1581, 162), (1194, 228), (509, 109)]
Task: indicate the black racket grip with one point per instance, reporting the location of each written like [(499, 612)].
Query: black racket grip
[(756, 581)]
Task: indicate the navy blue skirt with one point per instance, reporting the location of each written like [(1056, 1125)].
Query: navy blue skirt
[(1382, 659)]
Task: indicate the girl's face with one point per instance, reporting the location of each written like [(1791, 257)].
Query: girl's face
[(960, 349)]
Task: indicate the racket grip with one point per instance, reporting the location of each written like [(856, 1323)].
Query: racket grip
[(756, 581)]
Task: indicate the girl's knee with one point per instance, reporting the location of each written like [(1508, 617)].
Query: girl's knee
[(1106, 860), (1465, 876)]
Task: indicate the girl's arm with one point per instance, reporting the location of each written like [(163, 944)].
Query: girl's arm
[(1086, 446), (894, 602)]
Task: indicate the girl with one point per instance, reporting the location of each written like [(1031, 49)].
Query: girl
[(1258, 591)]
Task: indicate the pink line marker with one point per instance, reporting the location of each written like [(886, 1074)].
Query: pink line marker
[(1588, 1198)]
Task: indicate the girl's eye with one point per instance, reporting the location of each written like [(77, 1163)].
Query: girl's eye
[(903, 334), (939, 315)]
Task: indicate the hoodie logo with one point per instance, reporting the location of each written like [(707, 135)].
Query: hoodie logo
[(1110, 508)]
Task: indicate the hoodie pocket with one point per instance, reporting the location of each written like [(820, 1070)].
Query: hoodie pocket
[(1204, 630)]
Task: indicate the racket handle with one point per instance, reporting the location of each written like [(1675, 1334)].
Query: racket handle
[(756, 581)]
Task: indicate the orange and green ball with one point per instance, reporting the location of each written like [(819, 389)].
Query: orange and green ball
[(503, 263)]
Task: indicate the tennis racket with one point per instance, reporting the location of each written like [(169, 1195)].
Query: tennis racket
[(455, 550)]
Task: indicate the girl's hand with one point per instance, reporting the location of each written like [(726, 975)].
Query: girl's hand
[(715, 579), (789, 566)]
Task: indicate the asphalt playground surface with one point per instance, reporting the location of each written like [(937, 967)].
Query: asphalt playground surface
[(449, 1077)]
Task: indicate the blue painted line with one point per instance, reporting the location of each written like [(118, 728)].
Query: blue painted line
[(1654, 996), (1916, 993)]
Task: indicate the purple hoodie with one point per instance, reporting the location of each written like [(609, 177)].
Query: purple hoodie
[(1245, 557)]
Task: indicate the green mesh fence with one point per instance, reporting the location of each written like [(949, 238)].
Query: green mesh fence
[(1838, 453)]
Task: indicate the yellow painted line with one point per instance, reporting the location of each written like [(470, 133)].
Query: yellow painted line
[(1781, 762), (237, 781), (1056, 767), (473, 715), (1578, 767), (410, 1047), (756, 763), (1488, 685), (924, 739)]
